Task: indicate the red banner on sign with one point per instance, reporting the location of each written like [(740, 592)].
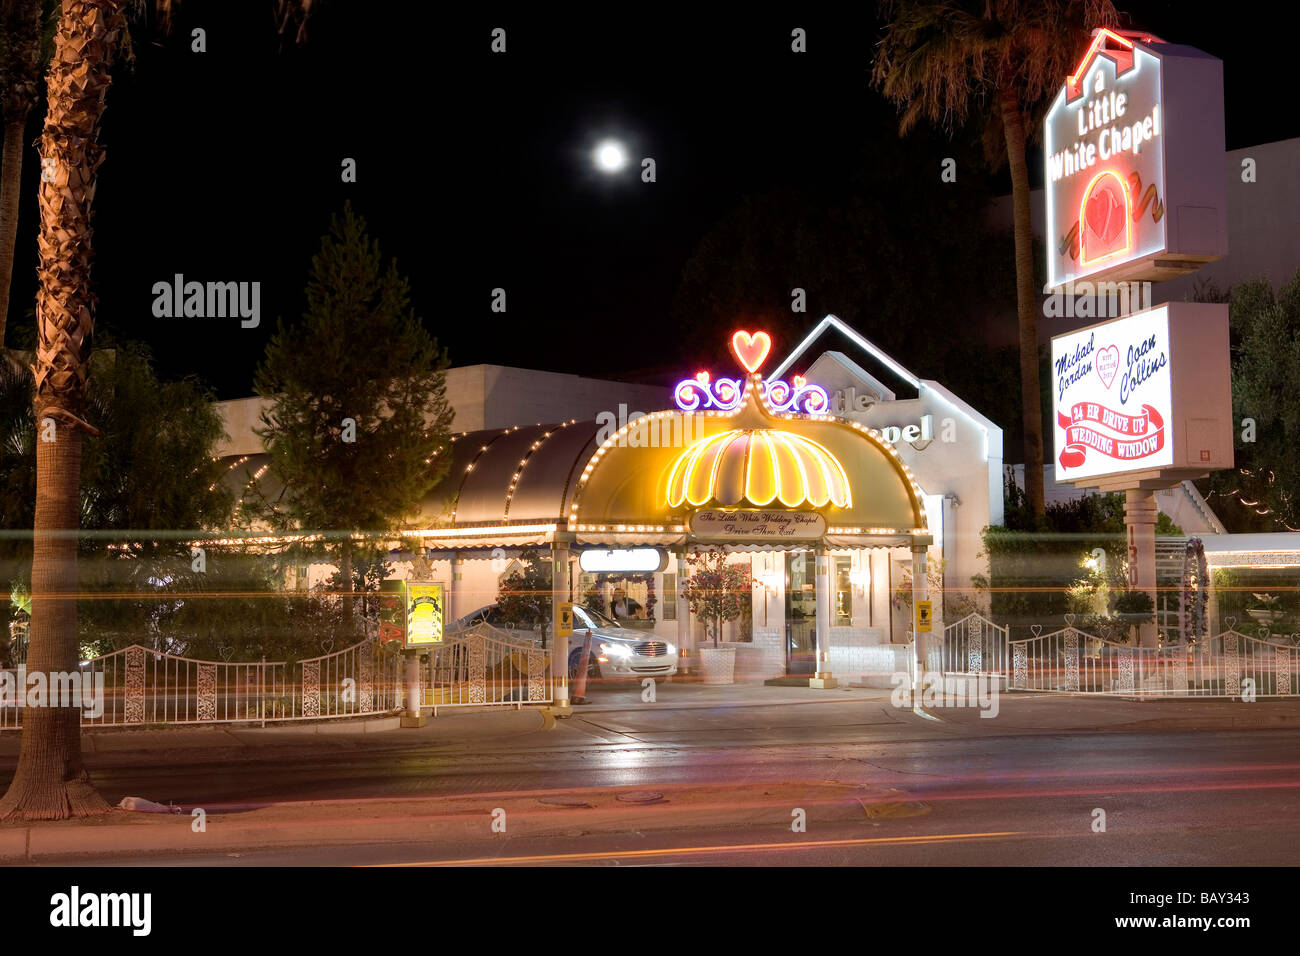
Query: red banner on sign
[(1119, 436)]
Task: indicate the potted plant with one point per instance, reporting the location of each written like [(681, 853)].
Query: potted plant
[(716, 592), (1265, 608), (524, 597)]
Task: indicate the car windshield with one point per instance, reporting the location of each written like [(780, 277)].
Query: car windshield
[(589, 617)]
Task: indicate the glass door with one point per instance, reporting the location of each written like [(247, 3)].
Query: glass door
[(800, 613)]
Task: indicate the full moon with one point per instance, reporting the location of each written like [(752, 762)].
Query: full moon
[(610, 156)]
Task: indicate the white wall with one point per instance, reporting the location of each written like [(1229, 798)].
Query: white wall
[(487, 396), (966, 470)]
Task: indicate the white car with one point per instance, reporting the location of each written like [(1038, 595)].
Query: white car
[(617, 652)]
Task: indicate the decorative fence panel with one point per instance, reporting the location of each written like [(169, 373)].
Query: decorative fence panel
[(137, 686), (1231, 664), (975, 645), (484, 666)]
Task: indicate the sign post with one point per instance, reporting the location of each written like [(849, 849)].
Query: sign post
[(418, 621)]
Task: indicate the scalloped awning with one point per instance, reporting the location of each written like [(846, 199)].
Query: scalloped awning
[(758, 466)]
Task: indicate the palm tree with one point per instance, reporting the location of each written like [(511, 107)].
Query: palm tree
[(941, 60), (50, 782), (20, 74)]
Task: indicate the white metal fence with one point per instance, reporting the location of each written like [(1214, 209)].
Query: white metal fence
[(1071, 661), (974, 645), (137, 686), (485, 666)]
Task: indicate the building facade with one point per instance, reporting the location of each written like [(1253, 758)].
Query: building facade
[(845, 500)]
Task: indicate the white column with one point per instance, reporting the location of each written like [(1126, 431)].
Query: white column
[(456, 599), (822, 589), (1140, 524), (559, 645), (920, 592), (412, 678)]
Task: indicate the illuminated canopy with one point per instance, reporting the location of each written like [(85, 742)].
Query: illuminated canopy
[(758, 467)]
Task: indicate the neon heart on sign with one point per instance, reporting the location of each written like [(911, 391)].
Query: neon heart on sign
[(751, 349), (1105, 214), (1107, 364)]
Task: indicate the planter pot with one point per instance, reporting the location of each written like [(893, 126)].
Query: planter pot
[(1263, 616), (717, 664)]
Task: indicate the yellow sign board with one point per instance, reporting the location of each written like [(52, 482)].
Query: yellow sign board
[(425, 607), (564, 627), (924, 616)]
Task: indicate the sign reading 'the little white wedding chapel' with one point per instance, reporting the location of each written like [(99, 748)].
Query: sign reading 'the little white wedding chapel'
[(788, 525)]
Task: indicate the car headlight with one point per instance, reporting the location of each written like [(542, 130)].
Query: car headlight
[(672, 648), (616, 650)]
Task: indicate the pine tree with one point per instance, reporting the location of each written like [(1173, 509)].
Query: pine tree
[(358, 403)]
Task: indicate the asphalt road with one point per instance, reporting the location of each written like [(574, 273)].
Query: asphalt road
[(1169, 798)]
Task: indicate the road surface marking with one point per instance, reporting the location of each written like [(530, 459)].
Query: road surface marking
[(687, 850)]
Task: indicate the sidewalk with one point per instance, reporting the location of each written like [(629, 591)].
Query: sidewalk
[(1018, 713), (224, 741)]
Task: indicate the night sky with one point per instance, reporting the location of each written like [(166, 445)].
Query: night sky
[(474, 170)]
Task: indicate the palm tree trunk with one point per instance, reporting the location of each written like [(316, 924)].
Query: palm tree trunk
[(11, 174), (1026, 301), (50, 782)]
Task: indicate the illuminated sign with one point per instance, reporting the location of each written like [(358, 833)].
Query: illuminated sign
[(789, 525), (751, 349), (1146, 393), (623, 559), (1112, 161), (1111, 396), (726, 394), (425, 612)]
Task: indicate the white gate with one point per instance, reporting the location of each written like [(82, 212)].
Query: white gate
[(975, 645), (483, 667)]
